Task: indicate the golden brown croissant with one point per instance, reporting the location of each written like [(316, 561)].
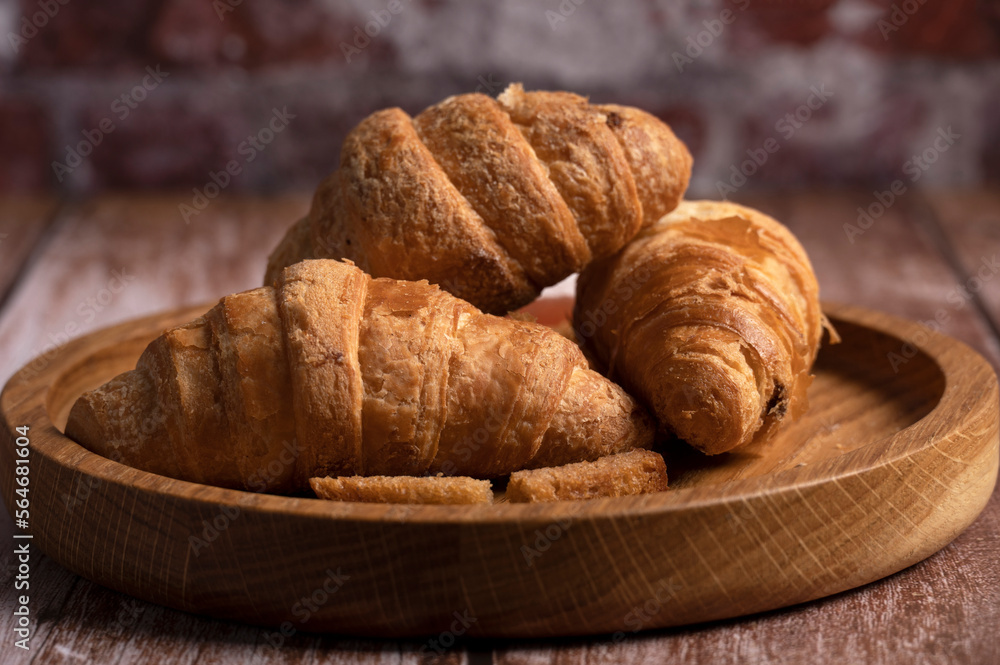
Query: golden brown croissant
[(493, 199), (710, 316), (334, 373)]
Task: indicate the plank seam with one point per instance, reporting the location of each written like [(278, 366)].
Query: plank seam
[(930, 222), (52, 223)]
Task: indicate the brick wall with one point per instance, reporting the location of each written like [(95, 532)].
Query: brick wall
[(120, 94)]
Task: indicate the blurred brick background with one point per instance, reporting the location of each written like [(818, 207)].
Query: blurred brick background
[(723, 73)]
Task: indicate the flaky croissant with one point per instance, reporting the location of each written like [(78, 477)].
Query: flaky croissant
[(333, 373), (493, 199), (710, 316)]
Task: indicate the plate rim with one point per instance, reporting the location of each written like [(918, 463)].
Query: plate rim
[(26, 399)]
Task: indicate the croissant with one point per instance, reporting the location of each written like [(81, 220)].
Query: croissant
[(710, 316), (333, 373), (493, 199)]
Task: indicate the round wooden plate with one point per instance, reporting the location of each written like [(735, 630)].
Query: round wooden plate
[(897, 455)]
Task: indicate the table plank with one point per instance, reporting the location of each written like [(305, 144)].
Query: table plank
[(971, 221), (116, 258), (925, 614), (97, 625), (895, 266), (23, 222), (942, 610)]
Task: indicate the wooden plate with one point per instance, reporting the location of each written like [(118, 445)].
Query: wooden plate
[(896, 456)]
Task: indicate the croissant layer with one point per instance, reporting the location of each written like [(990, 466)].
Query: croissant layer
[(493, 199), (711, 317), (333, 373)]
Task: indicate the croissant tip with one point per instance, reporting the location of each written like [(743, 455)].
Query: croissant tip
[(511, 95)]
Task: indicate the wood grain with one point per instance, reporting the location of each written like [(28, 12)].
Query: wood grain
[(120, 257), (942, 610), (828, 505), (23, 221), (970, 222), (895, 266)]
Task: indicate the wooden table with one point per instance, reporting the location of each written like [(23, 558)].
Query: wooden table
[(70, 267)]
